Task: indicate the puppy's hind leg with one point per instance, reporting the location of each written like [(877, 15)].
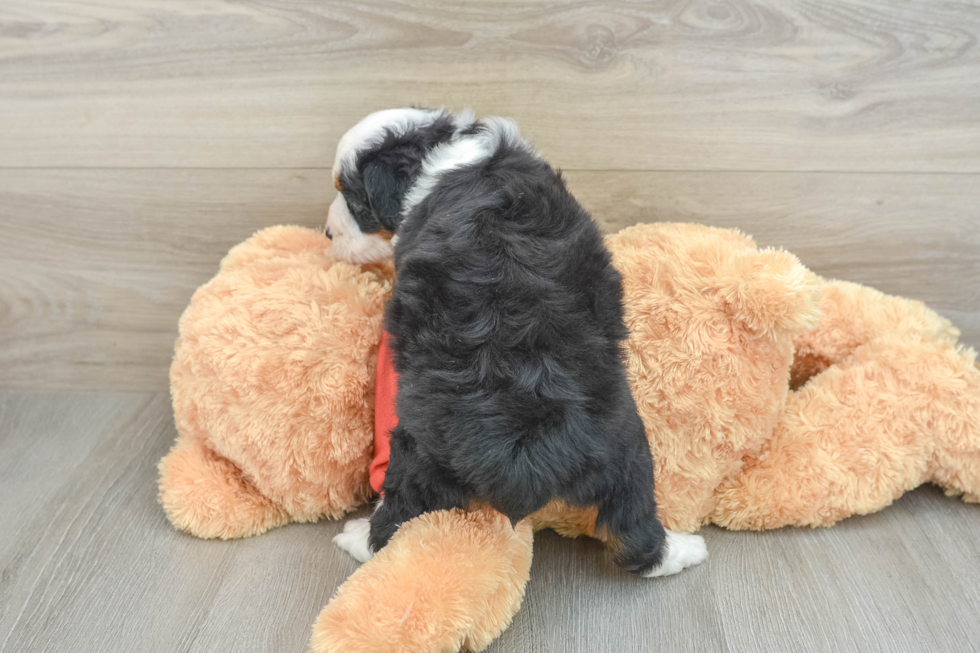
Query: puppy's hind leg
[(414, 484), (681, 550), (628, 514)]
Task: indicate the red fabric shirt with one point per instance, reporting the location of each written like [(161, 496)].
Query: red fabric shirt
[(385, 419)]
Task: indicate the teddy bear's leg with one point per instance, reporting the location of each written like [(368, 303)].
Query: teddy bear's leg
[(852, 315), (956, 462), (897, 413), (207, 496), (446, 581)]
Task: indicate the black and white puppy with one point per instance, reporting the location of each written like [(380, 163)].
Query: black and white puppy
[(506, 325)]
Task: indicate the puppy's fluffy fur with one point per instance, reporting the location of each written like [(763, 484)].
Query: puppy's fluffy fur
[(506, 325)]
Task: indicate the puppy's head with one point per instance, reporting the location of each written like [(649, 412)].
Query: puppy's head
[(376, 164)]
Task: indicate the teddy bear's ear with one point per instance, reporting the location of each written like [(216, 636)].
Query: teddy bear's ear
[(772, 292)]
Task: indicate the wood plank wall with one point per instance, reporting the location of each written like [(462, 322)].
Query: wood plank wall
[(140, 139)]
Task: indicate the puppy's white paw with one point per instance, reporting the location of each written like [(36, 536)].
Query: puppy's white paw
[(355, 539), (683, 550)]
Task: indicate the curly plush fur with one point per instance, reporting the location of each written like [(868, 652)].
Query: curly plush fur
[(770, 397), (273, 388)]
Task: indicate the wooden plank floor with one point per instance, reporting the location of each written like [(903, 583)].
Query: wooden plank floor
[(140, 139), (89, 563)]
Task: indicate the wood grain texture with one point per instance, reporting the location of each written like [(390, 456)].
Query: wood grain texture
[(899, 580), (870, 85), (141, 139), (96, 266), (89, 563)]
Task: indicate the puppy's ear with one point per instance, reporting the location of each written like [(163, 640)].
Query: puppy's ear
[(385, 191)]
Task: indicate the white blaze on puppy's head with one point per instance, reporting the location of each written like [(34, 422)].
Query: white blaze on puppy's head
[(371, 131), (461, 152)]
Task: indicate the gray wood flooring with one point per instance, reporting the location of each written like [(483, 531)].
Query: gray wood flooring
[(88, 563)]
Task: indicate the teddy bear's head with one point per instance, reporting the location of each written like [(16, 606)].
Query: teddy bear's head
[(273, 388)]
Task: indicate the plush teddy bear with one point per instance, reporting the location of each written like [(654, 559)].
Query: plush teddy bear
[(770, 396)]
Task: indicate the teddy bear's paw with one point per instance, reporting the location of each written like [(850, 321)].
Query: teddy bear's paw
[(355, 539), (683, 550)]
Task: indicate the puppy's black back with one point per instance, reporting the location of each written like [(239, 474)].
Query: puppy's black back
[(506, 323)]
